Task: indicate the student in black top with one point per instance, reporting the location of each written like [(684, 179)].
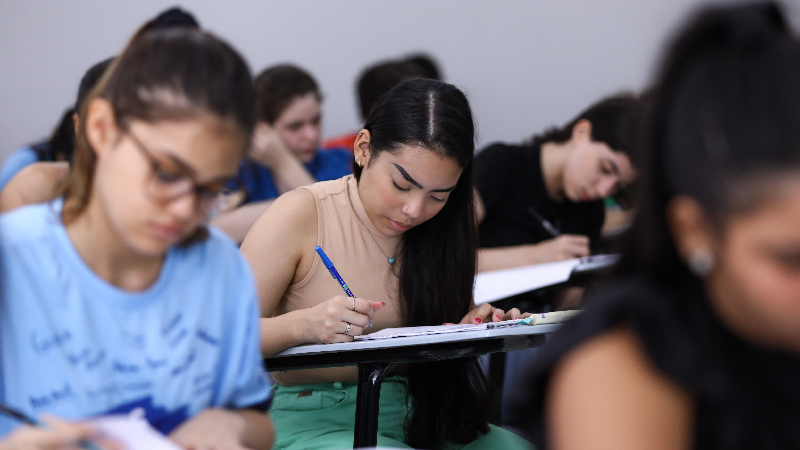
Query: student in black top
[(695, 343), (543, 201)]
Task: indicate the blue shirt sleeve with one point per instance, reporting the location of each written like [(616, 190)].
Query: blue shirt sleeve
[(19, 159)]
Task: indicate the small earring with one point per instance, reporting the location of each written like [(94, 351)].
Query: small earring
[(358, 161), (701, 262)]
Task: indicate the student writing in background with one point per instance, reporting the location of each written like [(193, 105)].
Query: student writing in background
[(695, 343), (543, 201), (401, 231), (116, 296), (284, 153)]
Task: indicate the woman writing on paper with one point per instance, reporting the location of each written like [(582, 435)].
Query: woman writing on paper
[(401, 231), (696, 342), (116, 297), (543, 201)]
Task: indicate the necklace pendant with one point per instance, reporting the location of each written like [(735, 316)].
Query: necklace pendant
[(391, 260)]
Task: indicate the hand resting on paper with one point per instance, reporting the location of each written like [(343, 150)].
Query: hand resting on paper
[(488, 313), (328, 321), (59, 434)]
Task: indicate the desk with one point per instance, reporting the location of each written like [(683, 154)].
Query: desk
[(581, 273), (497, 285), (373, 358)]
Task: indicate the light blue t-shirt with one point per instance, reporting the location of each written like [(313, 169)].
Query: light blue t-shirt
[(14, 163), (73, 345)]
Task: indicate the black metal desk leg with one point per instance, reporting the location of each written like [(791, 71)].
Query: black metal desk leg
[(370, 376)]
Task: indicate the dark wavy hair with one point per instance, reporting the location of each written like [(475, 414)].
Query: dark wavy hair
[(449, 398), (615, 120), (725, 127)]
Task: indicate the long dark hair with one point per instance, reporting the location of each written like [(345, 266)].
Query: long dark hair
[(165, 74), (615, 120), (439, 257), (726, 121)]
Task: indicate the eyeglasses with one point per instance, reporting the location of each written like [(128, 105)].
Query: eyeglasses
[(167, 185)]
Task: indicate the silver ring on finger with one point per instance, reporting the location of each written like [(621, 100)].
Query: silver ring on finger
[(347, 330), (354, 303)]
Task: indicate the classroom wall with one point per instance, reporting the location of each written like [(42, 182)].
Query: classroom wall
[(525, 64)]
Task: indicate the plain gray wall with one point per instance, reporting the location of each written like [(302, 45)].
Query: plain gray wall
[(525, 65)]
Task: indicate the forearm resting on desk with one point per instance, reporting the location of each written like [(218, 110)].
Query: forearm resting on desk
[(563, 247), (237, 223), (282, 332), (334, 320), (289, 173)]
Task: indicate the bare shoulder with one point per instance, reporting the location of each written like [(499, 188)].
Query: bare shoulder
[(607, 394), (294, 212), (280, 244), (35, 183)]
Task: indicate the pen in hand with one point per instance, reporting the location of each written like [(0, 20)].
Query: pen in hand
[(335, 274), (548, 227), (4, 409)]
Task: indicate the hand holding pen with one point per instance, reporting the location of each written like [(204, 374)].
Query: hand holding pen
[(52, 433), (340, 318), (560, 246)]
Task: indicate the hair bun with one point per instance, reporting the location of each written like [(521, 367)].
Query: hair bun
[(755, 25), (173, 17)]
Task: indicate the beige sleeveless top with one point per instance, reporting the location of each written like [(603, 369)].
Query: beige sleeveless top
[(343, 232)]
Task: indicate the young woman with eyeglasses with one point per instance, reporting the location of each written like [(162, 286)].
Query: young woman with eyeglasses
[(116, 296)]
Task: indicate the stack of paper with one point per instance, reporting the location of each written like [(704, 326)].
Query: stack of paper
[(536, 319)]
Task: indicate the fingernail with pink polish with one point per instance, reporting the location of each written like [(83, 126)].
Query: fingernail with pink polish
[(478, 320)]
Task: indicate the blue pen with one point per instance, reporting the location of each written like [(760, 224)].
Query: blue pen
[(33, 422), (335, 273)]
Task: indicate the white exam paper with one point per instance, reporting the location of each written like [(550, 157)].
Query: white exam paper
[(133, 432), (497, 284)]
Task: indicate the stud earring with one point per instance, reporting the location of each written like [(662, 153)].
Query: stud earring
[(701, 262)]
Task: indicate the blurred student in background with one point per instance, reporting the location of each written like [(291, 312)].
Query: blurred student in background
[(34, 178), (377, 80), (285, 150), (62, 142), (116, 296), (695, 343), (543, 201)]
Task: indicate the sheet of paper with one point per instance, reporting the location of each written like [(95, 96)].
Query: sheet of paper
[(133, 432), (418, 331), (387, 333), (497, 284), (536, 319)]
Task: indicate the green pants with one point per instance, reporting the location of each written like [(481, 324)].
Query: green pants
[(321, 416)]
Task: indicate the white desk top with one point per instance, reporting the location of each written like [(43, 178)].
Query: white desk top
[(419, 340)]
